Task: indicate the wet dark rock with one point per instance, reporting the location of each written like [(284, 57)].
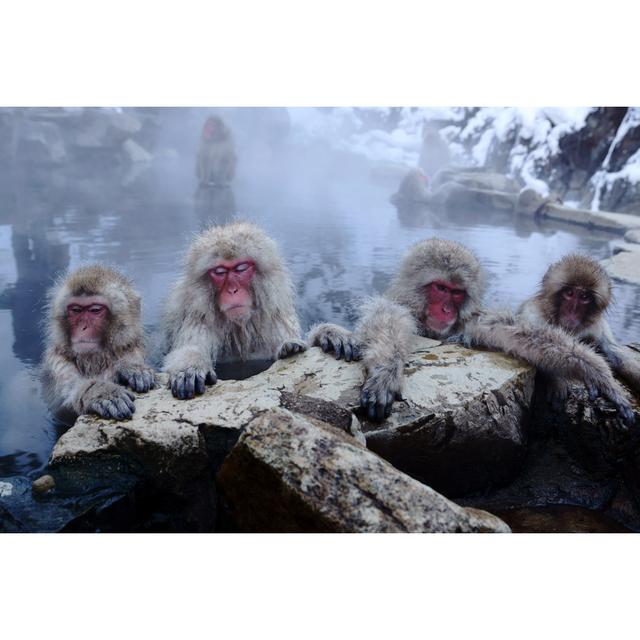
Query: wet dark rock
[(289, 473)]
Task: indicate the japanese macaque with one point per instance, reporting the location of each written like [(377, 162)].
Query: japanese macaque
[(414, 188), (95, 345), (438, 294), (234, 301), (574, 296), (216, 163), (434, 154)]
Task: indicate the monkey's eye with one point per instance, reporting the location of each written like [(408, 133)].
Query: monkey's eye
[(440, 287), (219, 271), (585, 296), (95, 308), (458, 293), (74, 308), (243, 266), (568, 293)]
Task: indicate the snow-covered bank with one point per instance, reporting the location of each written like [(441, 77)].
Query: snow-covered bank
[(587, 155)]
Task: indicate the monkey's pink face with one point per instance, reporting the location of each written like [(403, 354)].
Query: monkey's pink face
[(210, 130), (232, 283), (575, 304), (443, 302), (87, 317)]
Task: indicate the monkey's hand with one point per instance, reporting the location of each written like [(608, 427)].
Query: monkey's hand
[(331, 337), (138, 377), (191, 382), (290, 348), (108, 400), (624, 409), (381, 389)]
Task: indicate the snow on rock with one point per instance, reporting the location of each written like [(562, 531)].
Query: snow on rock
[(587, 155)]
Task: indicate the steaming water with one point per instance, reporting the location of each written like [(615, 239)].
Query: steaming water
[(333, 221)]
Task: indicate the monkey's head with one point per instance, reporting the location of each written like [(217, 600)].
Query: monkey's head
[(575, 291), (238, 270), (94, 309), (214, 129), (442, 283)]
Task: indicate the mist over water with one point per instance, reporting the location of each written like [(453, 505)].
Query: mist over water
[(330, 215)]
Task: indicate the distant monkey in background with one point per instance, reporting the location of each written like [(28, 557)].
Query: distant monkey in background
[(234, 301), (216, 161), (95, 345)]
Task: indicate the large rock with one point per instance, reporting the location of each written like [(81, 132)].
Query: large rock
[(633, 236), (293, 474), (460, 426), (624, 266)]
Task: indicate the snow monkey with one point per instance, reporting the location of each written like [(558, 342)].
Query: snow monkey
[(413, 189), (574, 296), (216, 161), (438, 294), (233, 301), (94, 345)]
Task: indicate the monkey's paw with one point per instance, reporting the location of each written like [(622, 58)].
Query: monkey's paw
[(109, 400), (290, 348), (331, 337), (191, 382), (138, 377), (378, 394)]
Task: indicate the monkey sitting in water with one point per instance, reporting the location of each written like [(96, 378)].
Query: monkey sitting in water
[(233, 302), (574, 295), (94, 345)]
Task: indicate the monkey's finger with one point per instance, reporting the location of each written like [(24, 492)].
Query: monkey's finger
[(152, 379), (212, 378), (348, 352), (200, 383), (124, 411), (110, 409), (364, 399), (127, 399), (380, 409), (324, 344), (189, 384), (137, 382), (129, 395), (371, 410), (180, 385), (337, 347), (399, 395)]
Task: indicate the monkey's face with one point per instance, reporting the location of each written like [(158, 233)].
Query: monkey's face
[(87, 318), (442, 305), (232, 285), (574, 306), (212, 129)]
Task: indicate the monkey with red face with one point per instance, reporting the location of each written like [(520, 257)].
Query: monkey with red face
[(574, 296), (95, 345), (438, 294), (234, 302), (216, 160)]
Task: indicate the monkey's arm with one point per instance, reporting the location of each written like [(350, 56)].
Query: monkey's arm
[(386, 334), (620, 358), (132, 371), (331, 337), (553, 352), (190, 361), (65, 388)]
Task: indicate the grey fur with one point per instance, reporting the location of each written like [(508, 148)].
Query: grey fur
[(197, 334), (385, 332), (86, 382)]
